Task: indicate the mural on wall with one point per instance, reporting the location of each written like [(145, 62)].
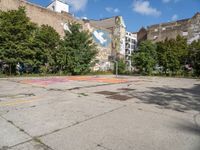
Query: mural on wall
[(66, 26), (102, 38), (119, 21), (122, 46), (116, 39), (119, 35), (88, 27), (194, 29), (103, 64)]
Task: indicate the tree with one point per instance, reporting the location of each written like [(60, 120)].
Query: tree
[(78, 50), (172, 54), (16, 32), (45, 45), (194, 54), (121, 67), (145, 58)]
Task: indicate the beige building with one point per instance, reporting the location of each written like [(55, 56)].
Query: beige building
[(188, 28)]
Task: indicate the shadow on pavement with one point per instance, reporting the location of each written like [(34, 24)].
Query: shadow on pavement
[(179, 99), (190, 128)]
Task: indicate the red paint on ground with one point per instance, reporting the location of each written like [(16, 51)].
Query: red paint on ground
[(48, 81)]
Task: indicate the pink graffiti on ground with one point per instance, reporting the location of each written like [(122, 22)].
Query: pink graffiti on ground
[(54, 80), (44, 82), (99, 79)]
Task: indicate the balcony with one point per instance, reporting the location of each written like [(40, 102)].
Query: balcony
[(128, 52), (128, 46)]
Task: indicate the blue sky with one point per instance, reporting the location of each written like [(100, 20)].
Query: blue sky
[(136, 13)]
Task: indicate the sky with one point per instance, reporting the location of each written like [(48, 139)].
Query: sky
[(136, 13)]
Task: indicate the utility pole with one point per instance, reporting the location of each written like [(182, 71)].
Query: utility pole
[(116, 68), (113, 59)]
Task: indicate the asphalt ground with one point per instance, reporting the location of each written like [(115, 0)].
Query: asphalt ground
[(99, 113)]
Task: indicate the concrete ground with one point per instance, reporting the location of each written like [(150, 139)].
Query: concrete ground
[(99, 113)]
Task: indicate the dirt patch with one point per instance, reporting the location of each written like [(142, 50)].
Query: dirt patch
[(119, 97), (106, 93)]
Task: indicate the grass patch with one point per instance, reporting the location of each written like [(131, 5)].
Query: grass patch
[(82, 94)]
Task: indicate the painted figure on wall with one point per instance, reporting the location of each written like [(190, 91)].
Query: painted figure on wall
[(102, 38)]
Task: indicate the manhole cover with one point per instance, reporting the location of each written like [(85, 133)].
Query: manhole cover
[(119, 97), (126, 89), (106, 93)]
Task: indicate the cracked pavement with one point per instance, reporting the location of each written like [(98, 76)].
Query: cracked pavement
[(99, 113)]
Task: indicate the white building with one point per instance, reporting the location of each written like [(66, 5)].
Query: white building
[(59, 6), (131, 45)]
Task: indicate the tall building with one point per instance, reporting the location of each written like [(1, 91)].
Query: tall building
[(131, 45), (58, 6)]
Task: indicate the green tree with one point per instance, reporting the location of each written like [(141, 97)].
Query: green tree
[(172, 54), (45, 45), (121, 67), (146, 57), (16, 32), (78, 50), (194, 54)]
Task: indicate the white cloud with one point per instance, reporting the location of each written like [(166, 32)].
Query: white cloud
[(143, 7), (116, 10), (77, 5), (112, 10), (174, 17)]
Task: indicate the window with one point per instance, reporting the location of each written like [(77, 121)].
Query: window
[(185, 33), (53, 7)]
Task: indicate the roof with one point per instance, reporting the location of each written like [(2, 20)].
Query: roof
[(168, 23), (198, 13), (62, 1)]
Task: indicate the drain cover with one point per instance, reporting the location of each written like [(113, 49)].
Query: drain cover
[(106, 93), (119, 97)]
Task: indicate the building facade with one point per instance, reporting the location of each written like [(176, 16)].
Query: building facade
[(188, 28), (59, 6), (117, 28), (130, 48)]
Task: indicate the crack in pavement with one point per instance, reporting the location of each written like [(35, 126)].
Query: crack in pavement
[(196, 121), (101, 145), (22, 130), (80, 122)]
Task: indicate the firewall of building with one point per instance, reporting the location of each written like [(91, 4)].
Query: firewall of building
[(188, 28), (57, 16)]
